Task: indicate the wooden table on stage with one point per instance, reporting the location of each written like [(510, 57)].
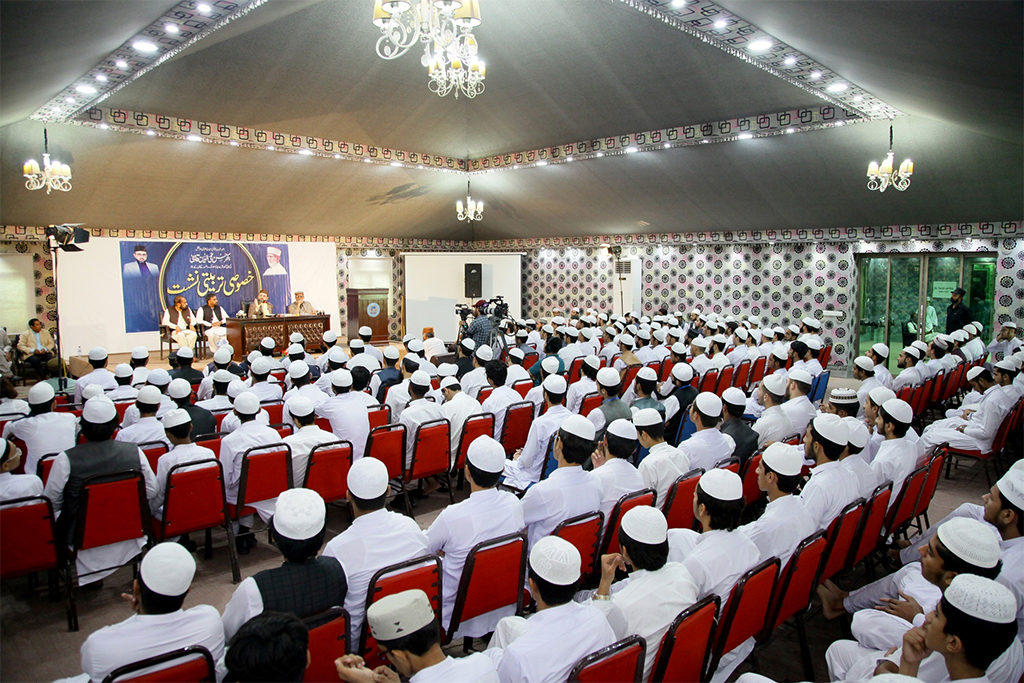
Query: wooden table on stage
[(244, 334)]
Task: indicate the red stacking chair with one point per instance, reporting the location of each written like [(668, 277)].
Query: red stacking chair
[(378, 416), (610, 544), (574, 370), (219, 417), (194, 501), (793, 439), (679, 502), (121, 407), (44, 465), (275, 411), (739, 377), (435, 382), (28, 544), (584, 532), (724, 380), (112, 508), (656, 366), (323, 423), (631, 370), (841, 535), (666, 369), (793, 591), (872, 527), (530, 358), (523, 387), (936, 458), (282, 429), (387, 444), (518, 419), (196, 665), (266, 472), (327, 470), (686, 647), (431, 457), (621, 662), (278, 375), (751, 492), (153, 450), (213, 442), (756, 372), (825, 356), (328, 640), (708, 381), (493, 577), (901, 512), (745, 614), (422, 572), (732, 463), (481, 424), (484, 394), (590, 403), (998, 444)]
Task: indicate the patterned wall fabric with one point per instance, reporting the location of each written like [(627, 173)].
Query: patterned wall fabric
[(46, 299), (1010, 281)]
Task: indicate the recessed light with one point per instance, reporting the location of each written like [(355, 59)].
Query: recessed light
[(516, 167), (233, 143), (150, 132), (837, 87), (632, 150), (667, 145), (101, 78), (368, 161), (789, 61), (144, 46), (203, 7), (69, 100), (193, 138), (337, 156), (305, 153), (858, 98), (420, 166), (791, 130), (121, 64), (676, 4), (760, 45), (600, 154), (877, 107), (815, 75), (171, 28), (744, 136), (840, 123), (87, 89), (396, 163), (103, 126), (721, 23), (270, 147), (704, 142), (542, 163), (569, 159)]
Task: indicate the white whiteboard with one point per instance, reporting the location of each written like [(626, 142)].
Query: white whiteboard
[(17, 292), (434, 283)]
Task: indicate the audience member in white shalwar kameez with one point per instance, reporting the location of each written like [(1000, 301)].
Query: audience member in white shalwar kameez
[(785, 522), (569, 490), (853, 461), (501, 396), (302, 385), (124, 391), (663, 463), (99, 374), (221, 361), (1006, 342), (897, 455), (333, 360), (376, 538), (910, 374), (487, 514), (260, 384), (458, 408), (347, 413), (775, 366), (397, 396), (160, 379), (706, 446), (419, 412), (178, 432), (586, 385), (545, 647), (14, 486), (147, 429), (699, 361), (864, 370), (832, 487), (979, 430), (516, 371), (527, 464), (306, 437), (879, 356), (612, 465), (774, 424), (799, 408), (656, 591), (44, 430), (476, 379)]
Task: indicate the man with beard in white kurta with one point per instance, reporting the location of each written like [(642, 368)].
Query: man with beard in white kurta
[(12, 485), (347, 413), (487, 514), (71, 468), (44, 430), (773, 424), (527, 464), (545, 647), (831, 487), (799, 408), (376, 538), (707, 445), (585, 385), (612, 465), (656, 591), (897, 455)]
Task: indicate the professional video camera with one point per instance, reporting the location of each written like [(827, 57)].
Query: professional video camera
[(463, 311), (500, 307)]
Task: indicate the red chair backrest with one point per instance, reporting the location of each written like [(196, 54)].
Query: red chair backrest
[(757, 370), (631, 370), (902, 511), (153, 450), (278, 375), (656, 366), (481, 424), (194, 498), (197, 666), (27, 536), (484, 394), (212, 444), (666, 369), (625, 504), (724, 379), (266, 472), (282, 429), (387, 444), (378, 416), (435, 382), (420, 572), (708, 381), (518, 419), (679, 503), (574, 370), (872, 523), (686, 646), (905, 393), (590, 403), (432, 453), (44, 465), (751, 493), (731, 463), (219, 418), (121, 408), (931, 482), (795, 587), (327, 470), (523, 387), (328, 640), (621, 662), (841, 534), (493, 577), (275, 411), (323, 423), (113, 508), (584, 532), (530, 359), (739, 377), (746, 612), (793, 439)]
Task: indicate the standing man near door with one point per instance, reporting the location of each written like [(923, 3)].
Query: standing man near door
[(957, 313)]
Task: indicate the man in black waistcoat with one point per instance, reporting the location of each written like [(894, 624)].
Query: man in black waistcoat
[(185, 370), (684, 393), (305, 584), (734, 402)]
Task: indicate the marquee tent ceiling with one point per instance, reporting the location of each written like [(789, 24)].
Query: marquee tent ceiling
[(565, 72)]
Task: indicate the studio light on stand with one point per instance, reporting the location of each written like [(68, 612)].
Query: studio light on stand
[(65, 237)]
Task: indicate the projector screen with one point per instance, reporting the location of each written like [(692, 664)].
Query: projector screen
[(435, 282)]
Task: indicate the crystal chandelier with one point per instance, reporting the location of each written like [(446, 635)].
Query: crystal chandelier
[(881, 177), (53, 175), (472, 210), (445, 27)]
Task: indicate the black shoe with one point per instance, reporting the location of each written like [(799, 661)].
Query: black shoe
[(242, 545), (187, 543)]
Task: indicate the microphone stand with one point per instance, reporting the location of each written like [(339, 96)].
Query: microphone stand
[(62, 370)]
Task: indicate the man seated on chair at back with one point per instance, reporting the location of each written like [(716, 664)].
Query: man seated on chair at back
[(177, 323), (261, 308), (300, 306), (37, 346)]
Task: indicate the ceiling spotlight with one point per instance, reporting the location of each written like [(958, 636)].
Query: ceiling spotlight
[(815, 75), (69, 100), (337, 156), (193, 138), (121, 64), (599, 154), (420, 166), (760, 45), (103, 126), (789, 61), (150, 132), (305, 153), (840, 123), (667, 145), (632, 150), (233, 143), (837, 87), (569, 159), (721, 23), (744, 136), (101, 78), (858, 98), (791, 130), (203, 7), (396, 163), (270, 147), (676, 4), (367, 160), (87, 89), (171, 28), (542, 163), (144, 46)]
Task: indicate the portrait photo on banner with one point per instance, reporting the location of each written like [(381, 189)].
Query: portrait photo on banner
[(153, 273)]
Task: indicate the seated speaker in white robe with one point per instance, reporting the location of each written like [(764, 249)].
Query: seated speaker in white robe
[(178, 322)]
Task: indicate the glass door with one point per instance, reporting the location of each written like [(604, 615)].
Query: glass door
[(890, 288), (976, 273)]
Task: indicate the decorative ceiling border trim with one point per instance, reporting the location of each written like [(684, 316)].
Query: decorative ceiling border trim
[(730, 130), (707, 21), (125, 64)]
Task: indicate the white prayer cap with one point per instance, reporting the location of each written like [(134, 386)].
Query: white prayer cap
[(558, 320), (741, 333), (647, 417), (185, 353), (647, 373), (447, 369), (1006, 364), (484, 353), (253, 355), (555, 384), (522, 333), (274, 250), (971, 540), (300, 406), (981, 598), (899, 410), (708, 404), (167, 569), (843, 395), (261, 366), (1012, 325), (222, 355), (341, 378), (99, 410), (580, 426), (756, 334), (977, 326), (518, 353), (268, 343), (813, 344), (682, 372), (149, 394), (881, 349), (92, 391), (556, 561), (679, 348), (643, 334), (783, 459), (399, 615), (295, 350), (366, 331), (593, 361), (754, 320), (97, 353), (415, 345), (420, 378), (920, 346), (973, 373), (178, 416), (940, 343), (408, 337), (626, 340), (486, 454), (140, 353), (879, 395), (608, 377), (223, 376), (548, 328), (721, 484), (299, 513), (1011, 485), (247, 403), (859, 434), (368, 478), (572, 331), (795, 329), (390, 352), (799, 375), (159, 377), (236, 387), (775, 383), (734, 396), (779, 330), (448, 381), (334, 355), (330, 336), (959, 335), (701, 342), (813, 323), (645, 524), (676, 332), (660, 334), (298, 369), (624, 429), (123, 370), (780, 353), (42, 392), (179, 388), (359, 344), (610, 331), (832, 428)]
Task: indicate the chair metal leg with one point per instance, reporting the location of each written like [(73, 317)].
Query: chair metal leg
[(408, 501), (208, 550), (69, 597), (236, 576), (805, 651), (451, 491)]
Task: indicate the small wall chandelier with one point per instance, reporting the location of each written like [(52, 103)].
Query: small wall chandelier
[(446, 29), (472, 210), (53, 175), (882, 176)]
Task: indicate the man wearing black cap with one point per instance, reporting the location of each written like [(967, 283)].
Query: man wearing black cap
[(957, 313)]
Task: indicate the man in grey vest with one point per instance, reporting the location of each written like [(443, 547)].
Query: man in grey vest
[(609, 384), (97, 456)]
